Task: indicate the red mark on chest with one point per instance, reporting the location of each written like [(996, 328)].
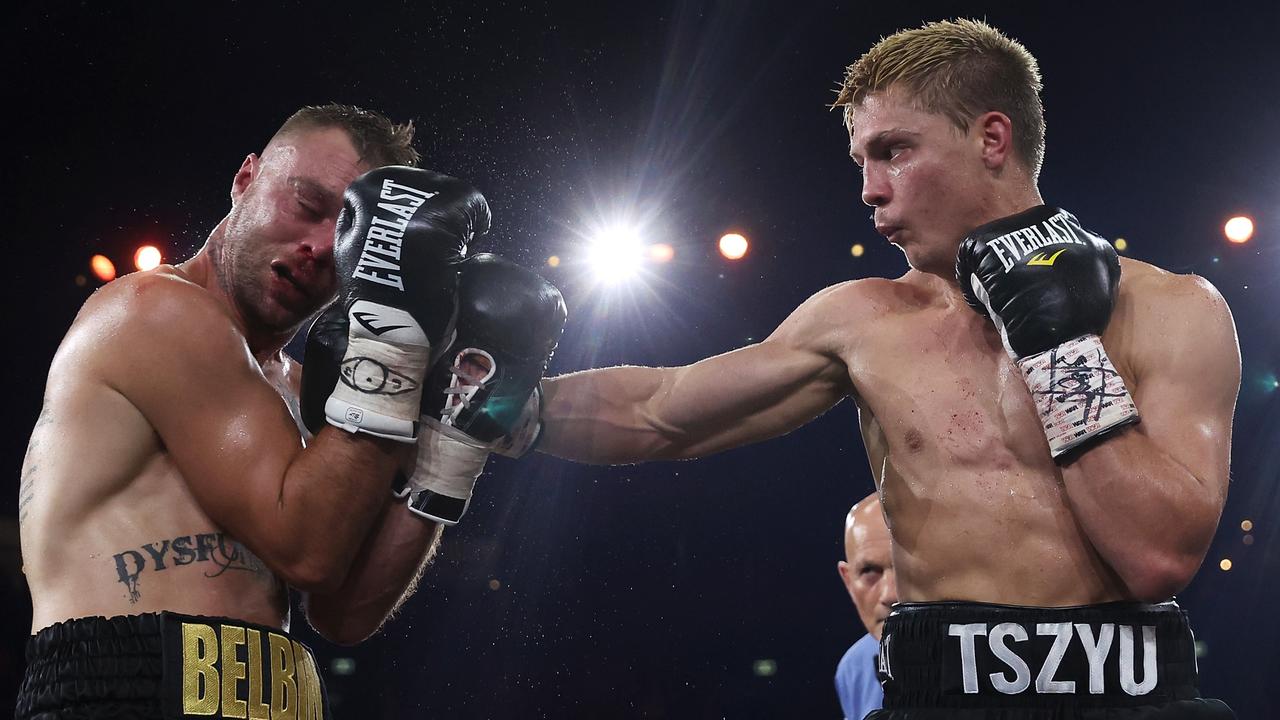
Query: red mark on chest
[(914, 440)]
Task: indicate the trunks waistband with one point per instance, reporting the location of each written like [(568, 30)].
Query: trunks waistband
[(172, 666), (976, 655)]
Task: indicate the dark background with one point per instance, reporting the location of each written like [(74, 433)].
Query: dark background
[(648, 590)]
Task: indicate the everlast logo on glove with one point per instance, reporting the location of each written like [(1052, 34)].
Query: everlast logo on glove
[(1012, 247), (380, 259), (396, 256), (1051, 322)]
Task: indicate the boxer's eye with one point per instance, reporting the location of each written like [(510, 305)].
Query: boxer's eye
[(309, 210)]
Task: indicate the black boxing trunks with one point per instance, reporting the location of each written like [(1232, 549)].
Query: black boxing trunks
[(1117, 661), (165, 665)]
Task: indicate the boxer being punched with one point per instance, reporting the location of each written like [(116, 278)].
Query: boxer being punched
[(1048, 425), (168, 501)]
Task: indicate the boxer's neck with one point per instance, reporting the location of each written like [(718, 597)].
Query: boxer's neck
[(1018, 194), (265, 345)]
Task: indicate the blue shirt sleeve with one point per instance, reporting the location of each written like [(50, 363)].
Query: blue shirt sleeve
[(856, 682)]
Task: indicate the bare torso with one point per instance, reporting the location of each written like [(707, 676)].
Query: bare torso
[(976, 507), (108, 524)]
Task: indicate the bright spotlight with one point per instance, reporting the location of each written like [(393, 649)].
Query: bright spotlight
[(1238, 229), (103, 268), (616, 254), (147, 257), (1122, 244), (554, 261), (857, 250), (733, 246)]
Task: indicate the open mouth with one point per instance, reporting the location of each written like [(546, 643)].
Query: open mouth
[(283, 272)]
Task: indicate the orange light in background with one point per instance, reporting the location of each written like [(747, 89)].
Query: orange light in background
[(103, 268), (1238, 229), (147, 257), (554, 261), (857, 250), (1225, 564), (1246, 525), (661, 252), (733, 246), (1122, 244)]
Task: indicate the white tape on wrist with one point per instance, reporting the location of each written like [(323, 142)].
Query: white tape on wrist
[(448, 462), (1077, 392)]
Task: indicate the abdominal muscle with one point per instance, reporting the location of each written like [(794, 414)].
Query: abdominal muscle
[(976, 506), (996, 535)]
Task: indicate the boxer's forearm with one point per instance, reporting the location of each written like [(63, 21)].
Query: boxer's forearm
[(1148, 516), (330, 496), (629, 414), (597, 416), (383, 574)]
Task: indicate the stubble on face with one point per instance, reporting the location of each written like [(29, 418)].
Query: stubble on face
[(264, 225)]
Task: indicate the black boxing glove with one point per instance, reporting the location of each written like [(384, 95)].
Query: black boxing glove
[(482, 395), (321, 362), (1050, 286), (398, 243)]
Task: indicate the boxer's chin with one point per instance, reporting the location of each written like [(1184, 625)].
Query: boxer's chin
[(266, 311), (931, 260)]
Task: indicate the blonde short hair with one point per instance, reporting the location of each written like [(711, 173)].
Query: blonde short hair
[(960, 69)]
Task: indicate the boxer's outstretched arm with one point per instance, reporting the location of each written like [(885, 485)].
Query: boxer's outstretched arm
[(1149, 497), (628, 414), (166, 347)]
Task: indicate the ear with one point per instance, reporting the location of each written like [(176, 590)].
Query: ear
[(845, 576), (995, 132), (244, 177)]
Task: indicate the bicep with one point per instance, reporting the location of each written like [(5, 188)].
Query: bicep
[(227, 430), (747, 395), (762, 390), (222, 424), (1188, 376), (626, 414)]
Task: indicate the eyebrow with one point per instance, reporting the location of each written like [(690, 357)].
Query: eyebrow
[(313, 188), (879, 139)]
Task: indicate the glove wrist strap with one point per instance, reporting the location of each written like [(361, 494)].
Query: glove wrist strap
[(526, 432), (445, 472), (1078, 393)]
